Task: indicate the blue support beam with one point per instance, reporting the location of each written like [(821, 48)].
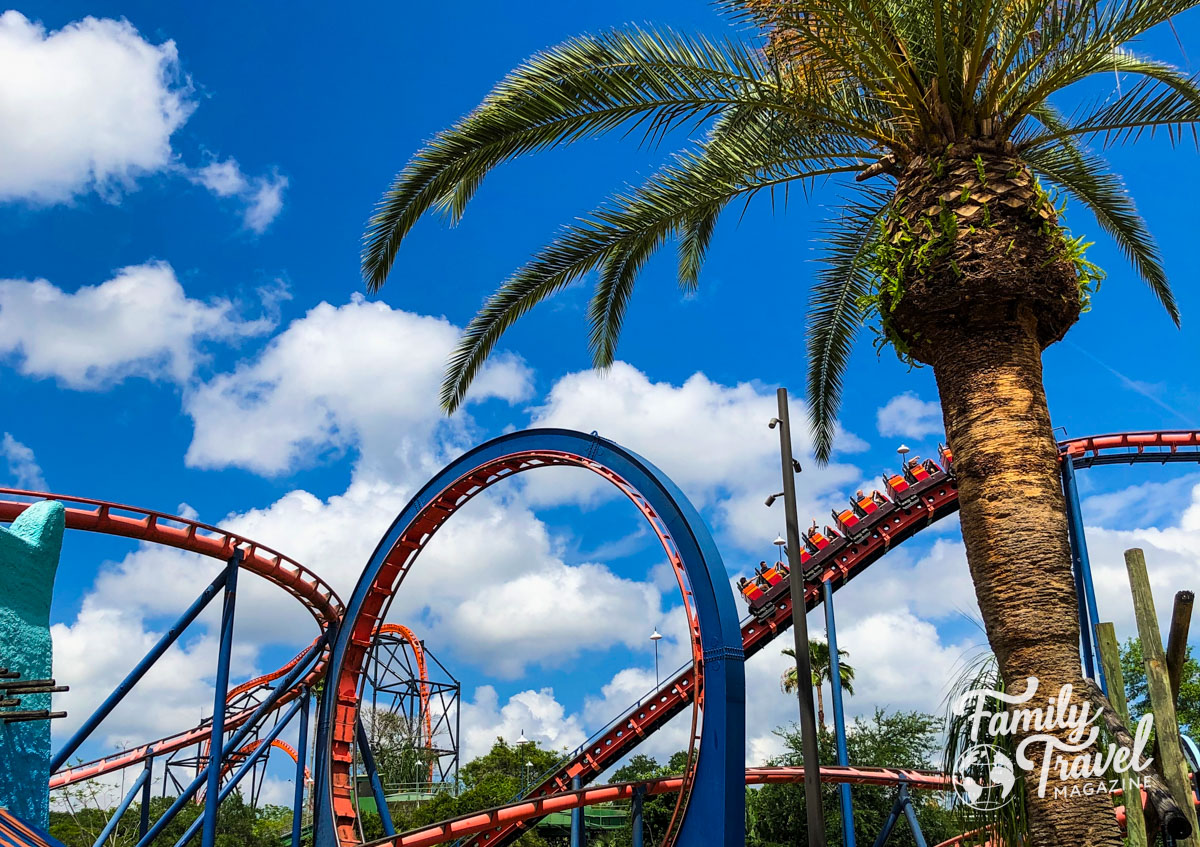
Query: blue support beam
[(639, 835), (301, 757), (156, 652), (578, 835), (245, 768), (364, 750), (1082, 568), (142, 780), (902, 806), (283, 687), (221, 691), (144, 817), (839, 714)]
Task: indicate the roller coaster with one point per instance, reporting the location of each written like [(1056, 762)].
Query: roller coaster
[(248, 718)]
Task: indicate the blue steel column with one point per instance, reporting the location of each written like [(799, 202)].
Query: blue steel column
[(578, 836), (1082, 566), (142, 780), (216, 744), (281, 689), (301, 755), (385, 814), (839, 716), (144, 821), (639, 795), (264, 746)]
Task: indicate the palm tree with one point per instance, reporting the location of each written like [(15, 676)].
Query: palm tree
[(822, 672), (942, 123)]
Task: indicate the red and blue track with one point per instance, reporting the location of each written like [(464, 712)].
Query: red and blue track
[(712, 685)]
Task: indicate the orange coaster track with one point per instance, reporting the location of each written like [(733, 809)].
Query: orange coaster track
[(534, 808)]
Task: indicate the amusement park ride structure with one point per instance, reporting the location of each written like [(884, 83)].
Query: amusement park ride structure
[(359, 662)]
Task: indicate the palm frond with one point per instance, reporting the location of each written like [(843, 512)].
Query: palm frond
[(1147, 105), (641, 78), (632, 224), (834, 313), (1086, 176), (613, 290)]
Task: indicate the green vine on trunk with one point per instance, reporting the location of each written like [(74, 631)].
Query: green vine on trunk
[(911, 247)]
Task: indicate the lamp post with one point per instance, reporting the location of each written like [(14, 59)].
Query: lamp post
[(804, 692), (656, 637)]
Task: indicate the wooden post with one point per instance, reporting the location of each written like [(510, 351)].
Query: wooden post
[(1110, 661), (1173, 765), (1181, 621)]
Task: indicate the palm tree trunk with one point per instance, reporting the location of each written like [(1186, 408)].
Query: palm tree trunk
[(1015, 530), (820, 707)]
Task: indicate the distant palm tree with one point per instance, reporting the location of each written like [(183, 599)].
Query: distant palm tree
[(945, 125), (822, 672)]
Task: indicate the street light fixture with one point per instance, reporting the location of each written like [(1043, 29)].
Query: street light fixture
[(656, 637), (781, 543), (804, 689), (522, 739), (770, 501)]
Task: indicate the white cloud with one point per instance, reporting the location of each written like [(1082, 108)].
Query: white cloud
[(265, 202), (224, 179), (261, 197), (361, 374), (537, 714), (908, 416), (96, 651), (23, 469), (91, 106), (711, 439), (139, 323)]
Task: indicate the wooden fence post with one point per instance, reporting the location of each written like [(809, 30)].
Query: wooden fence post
[(1173, 765), (1110, 660)]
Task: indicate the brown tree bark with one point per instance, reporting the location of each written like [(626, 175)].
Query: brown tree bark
[(820, 706), (1014, 526)]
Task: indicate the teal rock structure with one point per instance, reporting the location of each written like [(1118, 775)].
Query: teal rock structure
[(29, 552)]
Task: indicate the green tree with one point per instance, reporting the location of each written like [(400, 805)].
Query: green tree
[(822, 672), (658, 810), (947, 123), (398, 746), (1133, 668), (238, 824), (775, 813), (494, 779)]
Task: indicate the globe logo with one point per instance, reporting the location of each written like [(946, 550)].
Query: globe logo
[(984, 777)]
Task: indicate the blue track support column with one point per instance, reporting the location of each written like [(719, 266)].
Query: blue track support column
[(283, 687), (911, 814), (118, 694), (142, 780), (1082, 566), (212, 800), (902, 806), (639, 796), (144, 817), (385, 814), (839, 715), (578, 836), (301, 756), (264, 745)]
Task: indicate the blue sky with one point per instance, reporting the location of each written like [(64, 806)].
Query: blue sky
[(182, 196)]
